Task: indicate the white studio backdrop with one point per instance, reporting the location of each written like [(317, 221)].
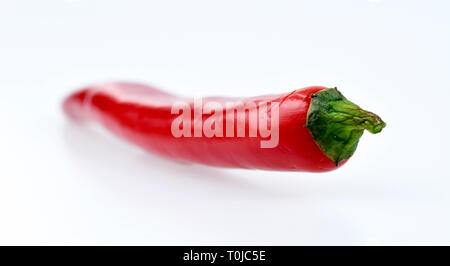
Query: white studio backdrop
[(66, 184)]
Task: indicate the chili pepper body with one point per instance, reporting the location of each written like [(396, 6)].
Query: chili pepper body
[(143, 115)]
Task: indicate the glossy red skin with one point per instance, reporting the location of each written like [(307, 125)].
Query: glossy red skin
[(142, 115)]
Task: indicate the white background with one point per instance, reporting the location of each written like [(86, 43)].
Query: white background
[(66, 184)]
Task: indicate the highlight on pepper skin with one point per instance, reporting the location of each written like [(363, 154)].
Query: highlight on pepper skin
[(314, 129)]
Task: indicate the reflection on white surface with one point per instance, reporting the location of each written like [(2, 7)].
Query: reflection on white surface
[(62, 183)]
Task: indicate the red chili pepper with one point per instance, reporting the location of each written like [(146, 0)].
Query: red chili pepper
[(318, 128)]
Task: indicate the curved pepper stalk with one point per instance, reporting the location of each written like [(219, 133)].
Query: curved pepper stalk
[(336, 124)]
